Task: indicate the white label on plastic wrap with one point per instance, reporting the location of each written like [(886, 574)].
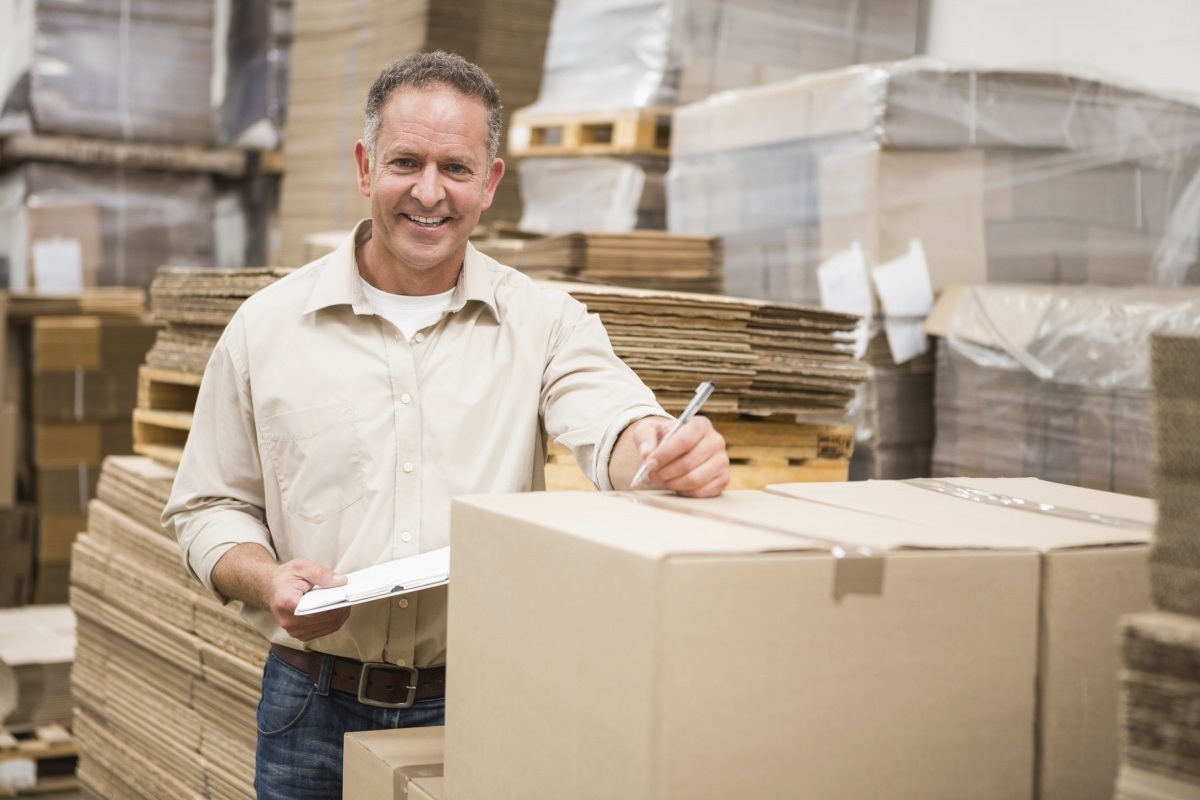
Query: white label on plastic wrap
[(906, 338), (843, 283), (903, 284), (17, 774), (58, 265)]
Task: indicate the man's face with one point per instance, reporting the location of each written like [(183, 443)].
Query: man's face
[(428, 183)]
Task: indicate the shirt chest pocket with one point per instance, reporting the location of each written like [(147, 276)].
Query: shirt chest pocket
[(317, 459)]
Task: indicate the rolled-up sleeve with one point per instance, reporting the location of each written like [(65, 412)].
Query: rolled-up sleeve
[(217, 501), (589, 395)]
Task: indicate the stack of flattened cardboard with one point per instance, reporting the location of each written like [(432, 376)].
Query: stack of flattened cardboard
[(644, 259), (196, 305), (1051, 381), (895, 426), (1161, 649), (338, 50), (765, 358), (37, 645), (166, 680), (1002, 176)]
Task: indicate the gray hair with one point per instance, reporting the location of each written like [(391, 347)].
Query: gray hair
[(423, 70)]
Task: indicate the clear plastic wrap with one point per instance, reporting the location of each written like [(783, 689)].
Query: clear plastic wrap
[(1052, 382), (253, 75), (565, 195), (144, 218), (1001, 175), (203, 72), (634, 53)]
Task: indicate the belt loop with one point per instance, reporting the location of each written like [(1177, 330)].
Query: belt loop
[(326, 675)]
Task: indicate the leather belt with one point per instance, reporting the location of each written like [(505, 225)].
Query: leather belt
[(376, 683)]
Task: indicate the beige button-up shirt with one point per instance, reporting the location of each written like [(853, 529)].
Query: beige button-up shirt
[(321, 432)]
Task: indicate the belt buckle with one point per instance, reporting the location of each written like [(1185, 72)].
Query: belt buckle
[(384, 666)]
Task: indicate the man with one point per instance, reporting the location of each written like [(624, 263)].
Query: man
[(346, 404)]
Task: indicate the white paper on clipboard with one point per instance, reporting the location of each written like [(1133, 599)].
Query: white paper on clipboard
[(389, 579)]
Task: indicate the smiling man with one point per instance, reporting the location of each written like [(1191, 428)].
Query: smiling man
[(346, 404)]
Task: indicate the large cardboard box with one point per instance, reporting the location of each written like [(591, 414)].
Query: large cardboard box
[(378, 765), (606, 646), (8, 454), (1095, 551)]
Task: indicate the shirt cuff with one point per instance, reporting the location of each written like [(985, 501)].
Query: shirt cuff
[(220, 532), (603, 453)]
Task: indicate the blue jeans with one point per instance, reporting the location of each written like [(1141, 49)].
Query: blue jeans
[(300, 729)]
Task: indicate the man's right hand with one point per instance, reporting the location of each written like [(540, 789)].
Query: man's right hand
[(289, 582), (251, 574)]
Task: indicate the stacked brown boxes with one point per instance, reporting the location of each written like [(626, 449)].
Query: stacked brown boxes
[(1051, 381), (166, 679), (894, 426), (338, 50), (70, 362), (599, 132), (1161, 676)]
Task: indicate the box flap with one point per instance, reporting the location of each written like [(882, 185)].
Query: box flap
[(981, 523), (641, 524)]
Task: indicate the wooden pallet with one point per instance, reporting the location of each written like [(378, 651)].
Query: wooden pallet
[(163, 416), (633, 131), (761, 452), (37, 762)]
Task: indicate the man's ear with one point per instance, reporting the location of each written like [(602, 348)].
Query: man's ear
[(362, 160), (495, 173)]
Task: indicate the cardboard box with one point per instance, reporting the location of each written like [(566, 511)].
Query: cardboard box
[(610, 647), (1095, 551), (378, 765), (431, 788), (68, 444)]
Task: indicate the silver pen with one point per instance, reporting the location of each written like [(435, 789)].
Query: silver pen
[(703, 391)]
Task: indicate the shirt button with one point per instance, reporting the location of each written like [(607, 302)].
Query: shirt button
[(398, 336), (400, 662), (408, 466), (406, 398), (403, 603), (420, 337), (406, 536)]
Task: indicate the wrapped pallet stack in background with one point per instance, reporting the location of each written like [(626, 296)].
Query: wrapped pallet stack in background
[(108, 174), (595, 145), (997, 176), (1161, 650), (1052, 381)]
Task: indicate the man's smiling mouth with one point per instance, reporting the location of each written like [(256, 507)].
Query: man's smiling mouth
[(427, 221)]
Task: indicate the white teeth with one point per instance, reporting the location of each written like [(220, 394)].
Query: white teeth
[(425, 220)]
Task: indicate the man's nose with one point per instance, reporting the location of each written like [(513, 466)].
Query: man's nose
[(428, 190)]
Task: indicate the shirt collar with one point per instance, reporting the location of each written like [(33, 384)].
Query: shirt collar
[(339, 282)]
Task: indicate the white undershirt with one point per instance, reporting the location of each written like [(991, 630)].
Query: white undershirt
[(409, 314)]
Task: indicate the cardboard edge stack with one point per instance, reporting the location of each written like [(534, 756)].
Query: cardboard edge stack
[(1160, 679), (166, 679)]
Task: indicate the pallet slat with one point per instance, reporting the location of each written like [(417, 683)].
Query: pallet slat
[(40, 761), (631, 131)]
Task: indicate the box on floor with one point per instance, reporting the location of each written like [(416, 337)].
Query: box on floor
[(380, 765)]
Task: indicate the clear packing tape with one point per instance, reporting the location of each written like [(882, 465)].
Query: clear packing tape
[(1001, 175), (860, 567)]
